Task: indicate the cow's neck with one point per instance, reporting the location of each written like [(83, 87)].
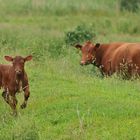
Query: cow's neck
[(98, 56)]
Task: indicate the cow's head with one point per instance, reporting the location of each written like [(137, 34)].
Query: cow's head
[(18, 63), (88, 52)]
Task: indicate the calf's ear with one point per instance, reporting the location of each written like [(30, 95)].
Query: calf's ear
[(8, 58), (28, 58), (78, 46)]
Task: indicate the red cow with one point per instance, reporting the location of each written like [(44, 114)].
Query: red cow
[(113, 57), (12, 78)]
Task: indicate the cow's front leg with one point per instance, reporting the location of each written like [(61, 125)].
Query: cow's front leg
[(13, 104), (26, 96), (25, 87)]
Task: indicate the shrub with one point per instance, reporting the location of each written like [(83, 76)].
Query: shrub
[(130, 5), (80, 34)]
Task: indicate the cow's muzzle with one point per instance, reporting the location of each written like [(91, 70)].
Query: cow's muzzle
[(84, 63), (18, 72)]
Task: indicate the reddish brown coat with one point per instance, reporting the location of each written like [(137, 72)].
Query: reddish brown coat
[(113, 57), (12, 79)]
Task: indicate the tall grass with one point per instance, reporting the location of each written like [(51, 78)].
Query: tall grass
[(54, 6)]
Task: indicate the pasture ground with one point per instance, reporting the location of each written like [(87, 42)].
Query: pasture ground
[(68, 102)]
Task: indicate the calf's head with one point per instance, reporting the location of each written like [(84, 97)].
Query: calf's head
[(88, 52), (18, 63)]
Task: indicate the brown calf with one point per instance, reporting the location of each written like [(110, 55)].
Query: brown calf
[(12, 78), (114, 57)]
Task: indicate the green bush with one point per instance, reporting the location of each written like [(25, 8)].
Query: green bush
[(130, 5), (80, 34)]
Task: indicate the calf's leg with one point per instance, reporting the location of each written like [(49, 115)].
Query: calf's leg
[(11, 100), (13, 104), (26, 96), (25, 87)]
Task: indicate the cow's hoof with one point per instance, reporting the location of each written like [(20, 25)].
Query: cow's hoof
[(23, 106)]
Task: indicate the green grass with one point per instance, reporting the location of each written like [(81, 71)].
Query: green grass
[(68, 102)]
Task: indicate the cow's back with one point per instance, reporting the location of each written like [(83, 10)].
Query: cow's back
[(126, 58), (107, 55)]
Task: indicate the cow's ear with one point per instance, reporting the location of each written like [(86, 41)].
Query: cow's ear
[(8, 58), (78, 46), (97, 45), (28, 58)]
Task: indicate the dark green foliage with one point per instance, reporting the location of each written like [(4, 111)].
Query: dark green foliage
[(130, 5), (80, 34)]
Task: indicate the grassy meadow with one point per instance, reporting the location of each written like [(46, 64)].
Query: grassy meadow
[(68, 102)]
